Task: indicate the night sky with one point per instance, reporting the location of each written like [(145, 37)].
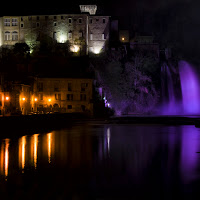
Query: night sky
[(171, 19)]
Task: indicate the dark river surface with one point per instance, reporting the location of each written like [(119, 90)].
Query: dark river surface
[(93, 160)]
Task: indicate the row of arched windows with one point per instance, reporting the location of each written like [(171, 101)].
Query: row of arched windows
[(11, 36)]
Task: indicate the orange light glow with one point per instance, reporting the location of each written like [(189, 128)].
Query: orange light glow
[(22, 152), (123, 38), (6, 156), (35, 99), (7, 98), (23, 99), (35, 139), (49, 143), (49, 100)]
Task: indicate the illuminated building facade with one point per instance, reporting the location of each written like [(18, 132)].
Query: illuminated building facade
[(48, 95), (85, 32), (64, 95)]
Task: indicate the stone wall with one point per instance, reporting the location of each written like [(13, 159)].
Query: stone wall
[(75, 28)]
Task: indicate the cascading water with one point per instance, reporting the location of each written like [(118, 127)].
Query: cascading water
[(189, 91), (190, 88), (168, 93)]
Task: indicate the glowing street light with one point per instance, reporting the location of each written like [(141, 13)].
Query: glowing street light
[(123, 38), (49, 100), (7, 98), (35, 99), (23, 99)]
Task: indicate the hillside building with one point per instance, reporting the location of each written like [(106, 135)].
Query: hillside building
[(86, 32)]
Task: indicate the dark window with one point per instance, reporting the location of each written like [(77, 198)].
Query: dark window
[(40, 87), (69, 106), (22, 25), (46, 17), (38, 18), (38, 24), (80, 20), (40, 96), (62, 17), (55, 23), (104, 21), (29, 18), (70, 20), (83, 97), (56, 87), (83, 86), (69, 97), (69, 86), (90, 21), (97, 20), (83, 107), (57, 96), (21, 19), (55, 17)]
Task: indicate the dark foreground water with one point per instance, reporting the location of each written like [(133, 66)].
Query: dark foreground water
[(101, 161)]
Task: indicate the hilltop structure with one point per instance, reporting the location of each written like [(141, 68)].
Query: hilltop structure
[(85, 32)]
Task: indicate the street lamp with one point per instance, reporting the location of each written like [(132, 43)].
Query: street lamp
[(7, 98)]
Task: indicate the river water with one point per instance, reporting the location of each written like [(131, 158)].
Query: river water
[(93, 160)]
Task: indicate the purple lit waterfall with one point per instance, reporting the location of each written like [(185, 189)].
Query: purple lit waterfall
[(182, 100), (190, 88), (168, 93)]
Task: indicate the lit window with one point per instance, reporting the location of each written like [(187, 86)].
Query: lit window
[(54, 35), (7, 22), (91, 36), (14, 22), (103, 36), (14, 36), (7, 36)]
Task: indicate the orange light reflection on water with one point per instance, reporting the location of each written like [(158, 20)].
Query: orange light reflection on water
[(49, 145)]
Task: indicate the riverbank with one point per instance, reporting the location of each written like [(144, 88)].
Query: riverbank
[(12, 125)]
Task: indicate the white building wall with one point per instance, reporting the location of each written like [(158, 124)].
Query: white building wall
[(1, 31)]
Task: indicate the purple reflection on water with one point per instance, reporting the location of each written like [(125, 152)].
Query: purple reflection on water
[(190, 140), (190, 88)]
